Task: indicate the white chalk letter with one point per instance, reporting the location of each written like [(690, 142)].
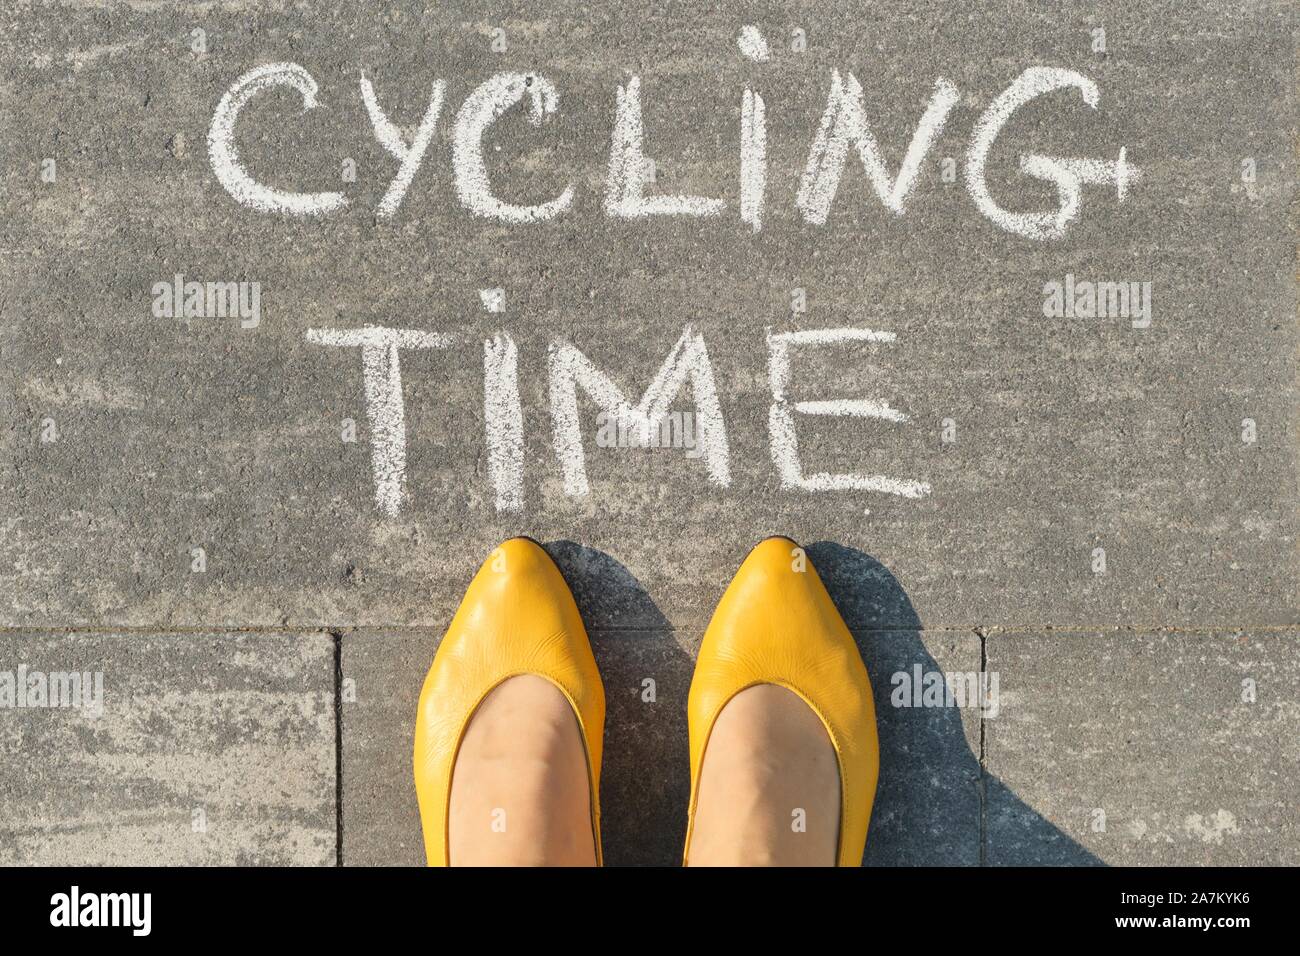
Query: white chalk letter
[(629, 172), (382, 379), (689, 360), (503, 418), (224, 156), (477, 113), (780, 420), (753, 158), (390, 137), (845, 123), (1069, 175)]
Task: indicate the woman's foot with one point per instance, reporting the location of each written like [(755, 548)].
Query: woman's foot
[(520, 794), (509, 723), (769, 791), (780, 777)]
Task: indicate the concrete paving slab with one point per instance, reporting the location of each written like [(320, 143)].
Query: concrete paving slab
[(927, 809), (381, 818), (1145, 749), (1110, 498), (644, 785), (176, 749), (131, 441)]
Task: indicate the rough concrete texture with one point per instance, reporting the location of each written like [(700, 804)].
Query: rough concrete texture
[(1146, 749), (927, 807), (1070, 434), (129, 441), (208, 749)]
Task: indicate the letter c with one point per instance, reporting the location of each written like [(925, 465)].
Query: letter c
[(225, 157), (492, 98)]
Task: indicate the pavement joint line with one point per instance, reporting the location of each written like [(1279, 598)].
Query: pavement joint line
[(185, 493), (984, 775), (372, 629), (338, 746)]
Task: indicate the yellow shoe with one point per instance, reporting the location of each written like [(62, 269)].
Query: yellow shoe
[(777, 625), (518, 617)]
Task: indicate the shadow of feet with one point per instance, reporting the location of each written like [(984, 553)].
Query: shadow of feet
[(645, 778), (928, 804)]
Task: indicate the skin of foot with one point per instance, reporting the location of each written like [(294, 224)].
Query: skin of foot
[(769, 791), (520, 791)]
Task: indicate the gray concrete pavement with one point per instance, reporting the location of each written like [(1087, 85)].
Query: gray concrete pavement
[(168, 749), (1147, 749), (1110, 489), (928, 803)]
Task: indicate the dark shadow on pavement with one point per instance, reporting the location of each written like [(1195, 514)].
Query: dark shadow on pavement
[(928, 808), (645, 778)]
